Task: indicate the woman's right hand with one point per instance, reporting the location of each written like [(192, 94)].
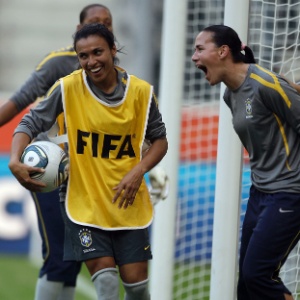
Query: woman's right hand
[(23, 174)]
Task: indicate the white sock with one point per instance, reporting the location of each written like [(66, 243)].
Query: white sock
[(67, 293), (106, 282), (47, 290), (137, 291)]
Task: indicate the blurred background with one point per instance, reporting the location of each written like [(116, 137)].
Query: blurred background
[(31, 29)]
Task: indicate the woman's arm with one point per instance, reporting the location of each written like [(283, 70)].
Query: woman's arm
[(8, 110), (19, 170), (133, 179), (293, 84), (39, 119)]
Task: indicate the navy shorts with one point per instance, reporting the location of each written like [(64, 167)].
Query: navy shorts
[(126, 246), (270, 231), (52, 228)]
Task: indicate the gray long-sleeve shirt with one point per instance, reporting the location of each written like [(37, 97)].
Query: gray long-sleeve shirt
[(266, 116), (55, 65)]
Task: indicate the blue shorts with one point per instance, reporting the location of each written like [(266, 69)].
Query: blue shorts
[(270, 231), (125, 246), (51, 227)]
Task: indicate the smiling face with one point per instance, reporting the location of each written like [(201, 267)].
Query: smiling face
[(207, 57), (97, 59)]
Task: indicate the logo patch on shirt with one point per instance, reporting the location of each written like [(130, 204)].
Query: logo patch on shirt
[(248, 109), (85, 237)]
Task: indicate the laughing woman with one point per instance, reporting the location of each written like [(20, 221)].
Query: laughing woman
[(107, 210)]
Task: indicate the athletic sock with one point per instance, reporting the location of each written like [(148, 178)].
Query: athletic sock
[(106, 282), (137, 291), (67, 293), (47, 290)]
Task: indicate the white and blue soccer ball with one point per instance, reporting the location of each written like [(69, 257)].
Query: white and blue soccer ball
[(48, 156)]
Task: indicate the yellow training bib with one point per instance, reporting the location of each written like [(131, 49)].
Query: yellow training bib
[(105, 143)]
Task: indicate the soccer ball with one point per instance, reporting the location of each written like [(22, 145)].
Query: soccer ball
[(52, 158)]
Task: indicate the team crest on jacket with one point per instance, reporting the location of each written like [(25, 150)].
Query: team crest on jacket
[(85, 237), (248, 109)]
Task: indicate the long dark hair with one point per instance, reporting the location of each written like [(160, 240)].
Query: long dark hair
[(224, 35)]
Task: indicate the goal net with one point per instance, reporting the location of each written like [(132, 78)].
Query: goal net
[(274, 37)]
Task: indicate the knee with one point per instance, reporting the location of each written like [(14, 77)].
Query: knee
[(106, 282), (132, 273), (96, 264), (251, 279)]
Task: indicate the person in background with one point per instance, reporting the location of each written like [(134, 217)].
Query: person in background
[(57, 278), (296, 86), (105, 203), (266, 116)]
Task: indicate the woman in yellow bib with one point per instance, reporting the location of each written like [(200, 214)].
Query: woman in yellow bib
[(107, 114)]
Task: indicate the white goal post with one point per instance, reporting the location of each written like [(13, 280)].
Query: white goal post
[(228, 184), (170, 98)]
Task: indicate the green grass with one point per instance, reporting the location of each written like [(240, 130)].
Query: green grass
[(18, 278), (191, 282)]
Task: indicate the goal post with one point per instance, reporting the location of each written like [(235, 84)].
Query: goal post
[(228, 180), (170, 99)]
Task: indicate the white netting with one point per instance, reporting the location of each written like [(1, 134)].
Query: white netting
[(273, 36), (197, 167)]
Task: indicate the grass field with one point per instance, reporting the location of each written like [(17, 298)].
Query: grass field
[(193, 280), (18, 278)]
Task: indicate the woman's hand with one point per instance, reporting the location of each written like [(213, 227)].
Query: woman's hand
[(126, 190), (129, 185), (23, 174)]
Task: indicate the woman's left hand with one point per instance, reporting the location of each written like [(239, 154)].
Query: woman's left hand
[(126, 190)]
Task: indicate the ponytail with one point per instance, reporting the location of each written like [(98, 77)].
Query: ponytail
[(249, 56)]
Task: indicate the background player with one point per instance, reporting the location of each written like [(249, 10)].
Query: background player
[(57, 279)]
